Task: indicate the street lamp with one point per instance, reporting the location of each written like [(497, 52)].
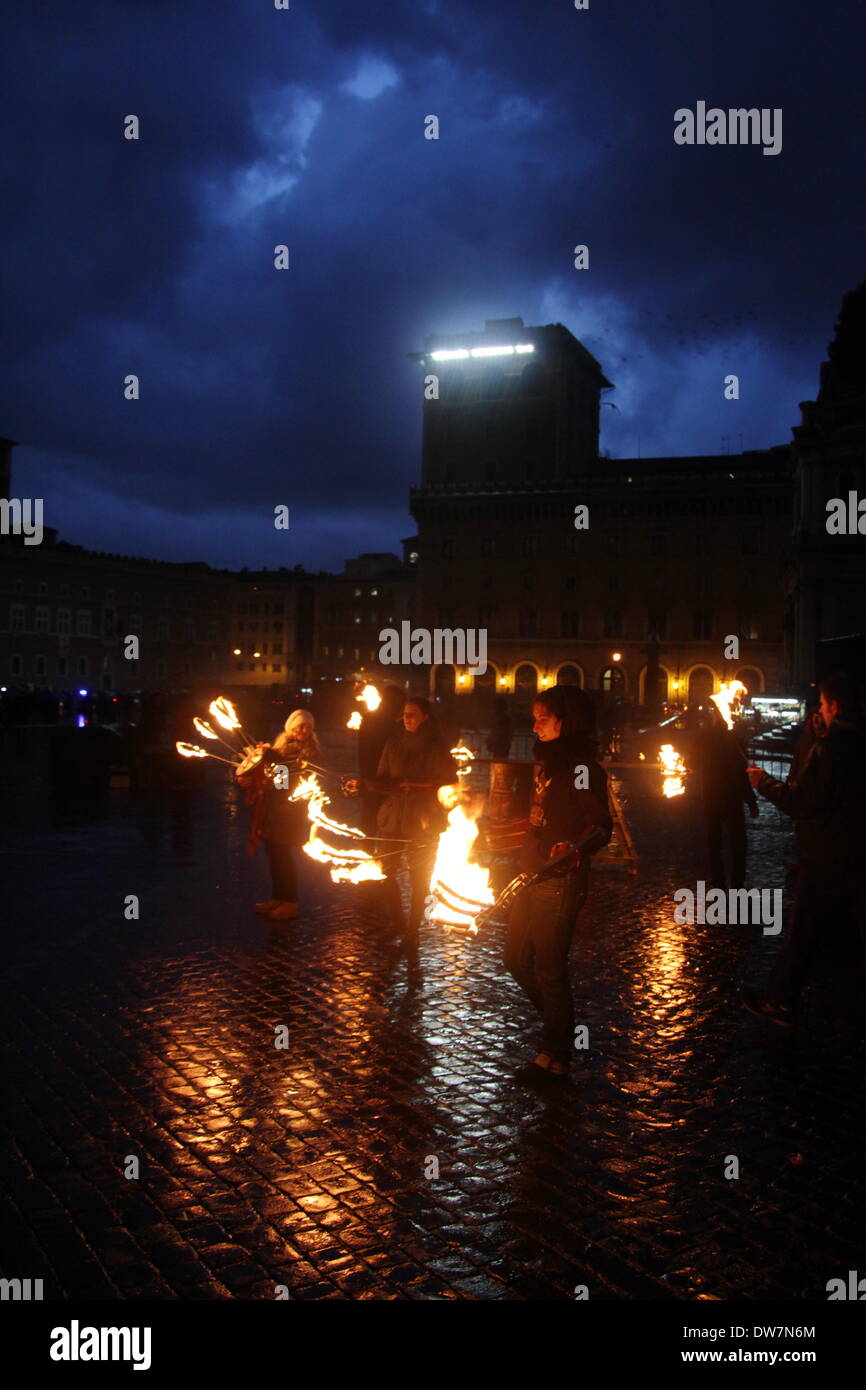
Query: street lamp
[(616, 656)]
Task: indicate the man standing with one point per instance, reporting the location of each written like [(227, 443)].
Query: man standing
[(828, 805), (570, 796), (725, 789)]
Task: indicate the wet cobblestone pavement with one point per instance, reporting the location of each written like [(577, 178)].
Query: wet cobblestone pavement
[(308, 1167)]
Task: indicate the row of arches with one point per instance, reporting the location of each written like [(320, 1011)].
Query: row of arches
[(694, 685)]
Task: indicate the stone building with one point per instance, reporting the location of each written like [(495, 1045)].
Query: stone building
[(825, 579), (677, 556)]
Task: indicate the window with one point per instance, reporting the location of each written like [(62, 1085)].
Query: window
[(109, 594), (106, 680), (357, 593), (325, 651), (703, 544), (252, 666), (571, 582), (162, 630), (39, 666), (570, 625), (530, 545), (240, 665), (702, 627), (82, 666), (276, 666), (277, 648), (19, 586), (658, 545), (357, 654), (40, 622), (374, 593), (750, 543), (487, 547), (189, 631), (64, 621), (160, 669), (613, 545), (448, 549), (109, 622), (612, 623), (490, 471), (43, 587), (613, 583), (15, 664), (16, 617), (84, 592), (62, 663), (83, 622), (64, 591), (357, 618), (527, 622), (657, 623)]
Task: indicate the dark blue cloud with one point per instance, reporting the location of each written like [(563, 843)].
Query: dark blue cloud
[(305, 127)]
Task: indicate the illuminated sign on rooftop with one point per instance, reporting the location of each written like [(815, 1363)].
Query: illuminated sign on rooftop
[(460, 354)]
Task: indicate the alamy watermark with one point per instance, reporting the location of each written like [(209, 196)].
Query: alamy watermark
[(441, 646), (736, 126), (730, 907), (22, 517)]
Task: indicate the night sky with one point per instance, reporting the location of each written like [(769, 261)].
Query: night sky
[(261, 126)]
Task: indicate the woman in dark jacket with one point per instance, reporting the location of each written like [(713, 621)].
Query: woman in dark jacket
[(281, 823), (415, 763), (569, 797)]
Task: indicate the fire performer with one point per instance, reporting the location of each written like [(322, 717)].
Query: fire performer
[(281, 823), (725, 790), (826, 802), (570, 796), (415, 762), (376, 728)]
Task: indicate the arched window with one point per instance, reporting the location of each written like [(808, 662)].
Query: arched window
[(613, 680), (700, 685), (569, 675), (526, 682)]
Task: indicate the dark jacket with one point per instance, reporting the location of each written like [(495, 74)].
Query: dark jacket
[(724, 782), (560, 812), (827, 802), (421, 756)]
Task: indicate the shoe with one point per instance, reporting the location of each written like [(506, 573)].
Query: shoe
[(541, 1070), (766, 1009), (283, 912), (262, 909)]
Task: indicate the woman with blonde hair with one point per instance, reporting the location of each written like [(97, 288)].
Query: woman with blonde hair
[(281, 823)]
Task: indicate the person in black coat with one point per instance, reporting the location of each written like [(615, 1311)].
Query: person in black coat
[(725, 789), (414, 764), (377, 726), (828, 807), (543, 918)]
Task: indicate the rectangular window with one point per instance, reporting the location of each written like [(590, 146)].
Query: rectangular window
[(16, 617), (39, 666), (750, 543), (657, 623), (40, 622), (703, 625), (15, 664), (703, 544), (188, 631), (84, 622), (570, 625), (612, 623), (61, 665), (64, 622)]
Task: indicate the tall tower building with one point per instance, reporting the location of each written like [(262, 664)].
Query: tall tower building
[(511, 405)]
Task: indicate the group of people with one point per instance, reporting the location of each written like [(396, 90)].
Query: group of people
[(404, 759)]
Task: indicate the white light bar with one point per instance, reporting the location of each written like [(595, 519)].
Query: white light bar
[(459, 354)]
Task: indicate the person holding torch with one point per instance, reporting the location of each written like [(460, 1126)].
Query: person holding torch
[(569, 800)]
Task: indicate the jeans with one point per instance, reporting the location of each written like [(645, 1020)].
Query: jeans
[(825, 926), (716, 819), (536, 954), (284, 877)]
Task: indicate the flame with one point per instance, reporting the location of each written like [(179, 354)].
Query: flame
[(673, 769), (346, 865), (458, 888), (730, 694), (190, 750), (464, 758), (354, 720), (371, 697), (204, 728), (224, 713)]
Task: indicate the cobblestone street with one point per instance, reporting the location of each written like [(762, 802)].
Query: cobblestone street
[(308, 1167)]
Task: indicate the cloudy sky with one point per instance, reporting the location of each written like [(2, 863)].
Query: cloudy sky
[(261, 126)]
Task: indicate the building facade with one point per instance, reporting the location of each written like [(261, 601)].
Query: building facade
[(671, 559)]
